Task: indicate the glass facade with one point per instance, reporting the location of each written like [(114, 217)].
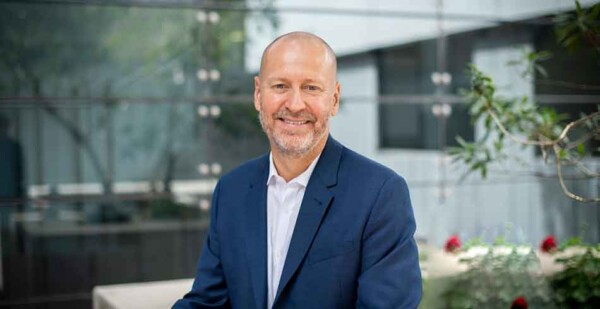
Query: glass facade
[(116, 123), (407, 70)]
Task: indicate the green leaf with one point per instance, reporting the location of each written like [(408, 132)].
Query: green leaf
[(581, 149), (544, 55), (488, 122), (454, 150), (573, 241), (498, 145), (562, 154)]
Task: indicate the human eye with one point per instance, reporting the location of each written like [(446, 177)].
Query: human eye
[(278, 86), (312, 88)]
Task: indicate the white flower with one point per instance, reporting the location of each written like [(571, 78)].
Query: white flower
[(502, 250), (474, 251)]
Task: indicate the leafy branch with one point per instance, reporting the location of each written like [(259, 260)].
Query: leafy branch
[(575, 29), (524, 122)]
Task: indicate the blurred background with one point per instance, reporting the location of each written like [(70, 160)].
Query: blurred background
[(117, 117)]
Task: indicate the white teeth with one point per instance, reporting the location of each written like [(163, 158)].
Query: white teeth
[(297, 123)]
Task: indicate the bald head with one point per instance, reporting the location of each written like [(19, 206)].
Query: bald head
[(303, 39)]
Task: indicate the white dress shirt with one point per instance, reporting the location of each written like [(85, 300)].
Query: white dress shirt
[(283, 206)]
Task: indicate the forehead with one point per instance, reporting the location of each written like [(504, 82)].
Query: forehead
[(305, 57)]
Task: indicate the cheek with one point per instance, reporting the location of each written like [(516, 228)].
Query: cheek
[(270, 103), (323, 110), (269, 110)]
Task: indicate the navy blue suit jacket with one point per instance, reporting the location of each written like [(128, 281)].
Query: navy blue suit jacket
[(352, 245)]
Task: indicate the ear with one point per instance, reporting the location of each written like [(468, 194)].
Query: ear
[(257, 93), (336, 99)]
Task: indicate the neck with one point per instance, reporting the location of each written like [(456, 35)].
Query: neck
[(290, 166)]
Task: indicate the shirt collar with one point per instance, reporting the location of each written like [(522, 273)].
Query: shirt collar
[(301, 179)]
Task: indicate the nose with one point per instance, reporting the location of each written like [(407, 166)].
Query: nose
[(295, 102)]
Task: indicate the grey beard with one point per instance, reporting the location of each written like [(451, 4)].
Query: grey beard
[(293, 152)]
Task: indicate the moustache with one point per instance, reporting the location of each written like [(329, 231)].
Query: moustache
[(285, 113)]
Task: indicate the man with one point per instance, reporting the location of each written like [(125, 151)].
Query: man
[(312, 224)]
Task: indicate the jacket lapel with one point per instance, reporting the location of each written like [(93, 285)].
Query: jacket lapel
[(256, 227), (317, 199)]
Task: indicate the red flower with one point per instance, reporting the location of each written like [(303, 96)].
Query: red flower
[(519, 303), (549, 244), (452, 244)]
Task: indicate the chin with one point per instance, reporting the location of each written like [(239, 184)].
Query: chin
[(294, 145), (298, 145)]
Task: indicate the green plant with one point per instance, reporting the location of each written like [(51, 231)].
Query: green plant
[(578, 284), (579, 27), (527, 124), (523, 122), (496, 278)]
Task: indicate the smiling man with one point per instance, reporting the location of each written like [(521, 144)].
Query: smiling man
[(312, 224)]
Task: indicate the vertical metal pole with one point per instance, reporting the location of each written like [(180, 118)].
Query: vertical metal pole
[(440, 91), (77, 153), (207, 85), (110, 141), (38, 136), (170, 156)]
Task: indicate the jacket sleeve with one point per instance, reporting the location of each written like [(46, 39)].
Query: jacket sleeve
[(390, 275), (210, 288)]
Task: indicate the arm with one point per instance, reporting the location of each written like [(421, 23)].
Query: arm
[(390, 274), (209, 289)]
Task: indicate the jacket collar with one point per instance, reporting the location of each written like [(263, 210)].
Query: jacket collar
[(328, 165), (301, 179), (326, 168)]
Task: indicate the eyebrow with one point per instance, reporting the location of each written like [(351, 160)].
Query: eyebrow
[(283, 79), (276, 79), (310, 80)]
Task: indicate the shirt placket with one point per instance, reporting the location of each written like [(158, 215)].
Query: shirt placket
[(274, 242), (276, 235), (283, 230)]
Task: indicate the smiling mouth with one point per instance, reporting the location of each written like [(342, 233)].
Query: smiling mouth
[(294, 122)]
